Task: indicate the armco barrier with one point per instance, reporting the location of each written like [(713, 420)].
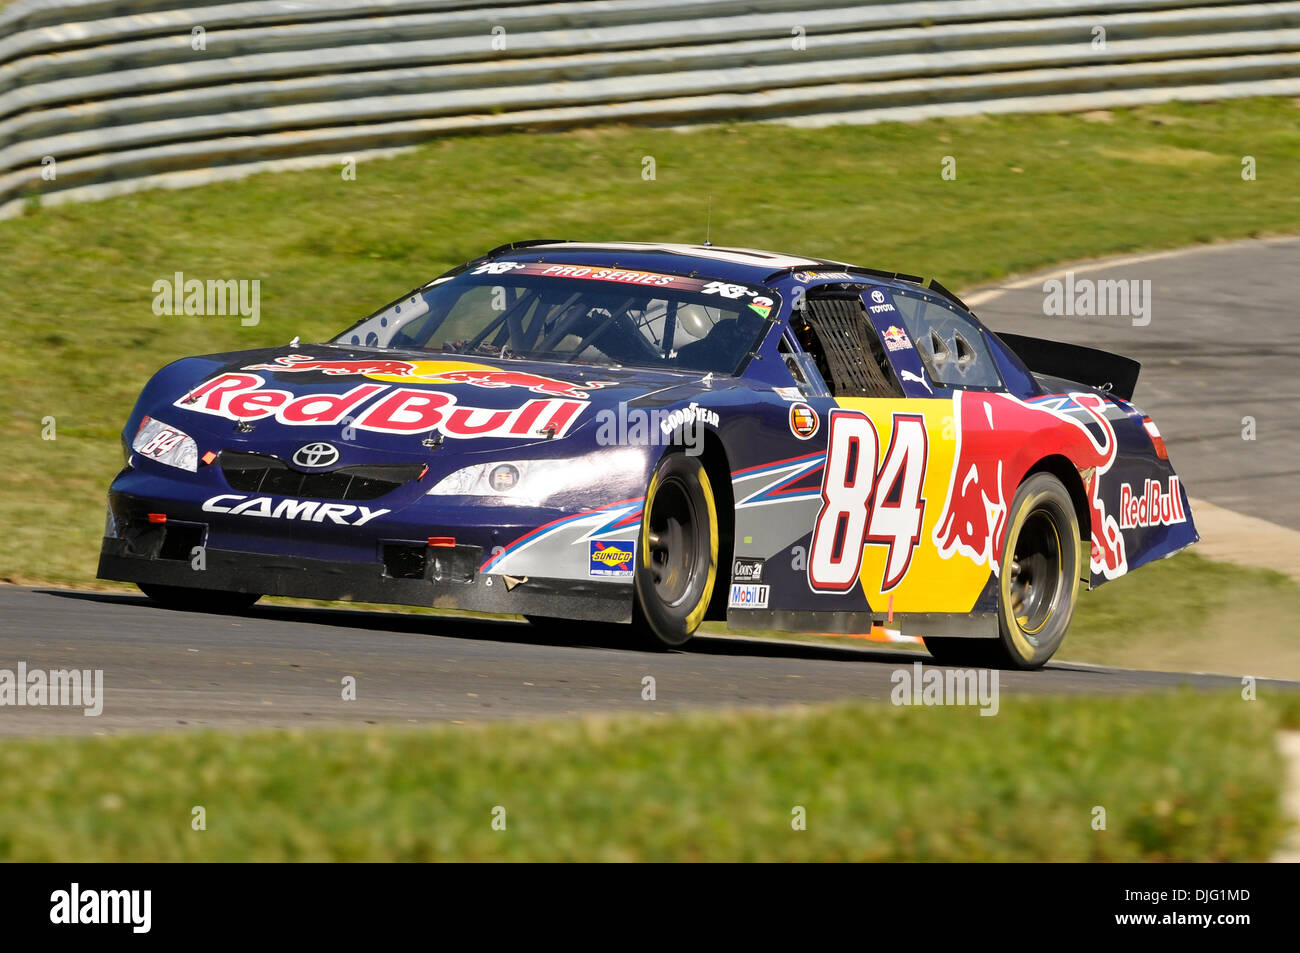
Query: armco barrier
[(99, 97)]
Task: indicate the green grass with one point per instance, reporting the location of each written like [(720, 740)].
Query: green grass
[(1185, 613), (76, 281), (1181, 777), (1188, 613)]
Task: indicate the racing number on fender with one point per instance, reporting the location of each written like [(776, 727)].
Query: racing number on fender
[(163, 442), (862, 505)]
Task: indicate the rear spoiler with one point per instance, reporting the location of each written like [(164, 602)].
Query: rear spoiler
[(1085, 365)]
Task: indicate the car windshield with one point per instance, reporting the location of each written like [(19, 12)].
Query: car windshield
[(577, 313)]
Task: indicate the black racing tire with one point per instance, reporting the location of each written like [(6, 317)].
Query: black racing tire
[(1037, 588), (677, 557), (198, 600)]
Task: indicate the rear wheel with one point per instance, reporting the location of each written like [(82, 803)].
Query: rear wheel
[(677, 561), (198, 600), (1037, 587)]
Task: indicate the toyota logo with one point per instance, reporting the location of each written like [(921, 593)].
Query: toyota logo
[(877, 297), (317, 455)]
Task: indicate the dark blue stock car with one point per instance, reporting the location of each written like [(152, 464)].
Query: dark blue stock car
[(596, 432)]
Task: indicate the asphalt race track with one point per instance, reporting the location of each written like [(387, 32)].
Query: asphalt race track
[(280, 666), (1220, 346)]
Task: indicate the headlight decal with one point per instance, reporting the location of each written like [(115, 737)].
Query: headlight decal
[(535, 480), (166, 444)]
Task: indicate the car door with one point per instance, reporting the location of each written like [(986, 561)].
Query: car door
[(890, 457)]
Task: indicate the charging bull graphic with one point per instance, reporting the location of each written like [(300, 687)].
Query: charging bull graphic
[(993, 432), (301, 362), (535, 383), (476, 375)]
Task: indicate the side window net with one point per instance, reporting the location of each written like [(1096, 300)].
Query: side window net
[(847, 349)]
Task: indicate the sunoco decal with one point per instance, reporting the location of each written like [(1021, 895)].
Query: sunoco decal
[(611, 557)]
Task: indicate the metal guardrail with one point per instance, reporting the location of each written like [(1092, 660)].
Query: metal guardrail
[(98, 97)]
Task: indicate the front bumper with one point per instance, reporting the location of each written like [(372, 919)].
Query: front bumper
[(164, 536), (447, 578)]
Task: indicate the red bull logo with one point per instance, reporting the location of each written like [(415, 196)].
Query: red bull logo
[(1155, 506), (380, 408), (301, 362), (896, 338), (994, 432)]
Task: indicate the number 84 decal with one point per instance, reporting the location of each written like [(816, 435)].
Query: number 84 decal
[(863, 504)]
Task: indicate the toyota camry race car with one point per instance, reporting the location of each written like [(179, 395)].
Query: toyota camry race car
[(657, 435)]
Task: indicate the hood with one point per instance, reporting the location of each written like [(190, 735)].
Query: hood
[(276, 400)]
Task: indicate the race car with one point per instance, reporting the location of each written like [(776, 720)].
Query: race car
[(656, 435)]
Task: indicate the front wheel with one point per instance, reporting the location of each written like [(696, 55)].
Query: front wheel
[(1037, 587), (677, 560), (198, 600)]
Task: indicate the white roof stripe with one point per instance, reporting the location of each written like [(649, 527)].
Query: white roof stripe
[(737, 256)]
